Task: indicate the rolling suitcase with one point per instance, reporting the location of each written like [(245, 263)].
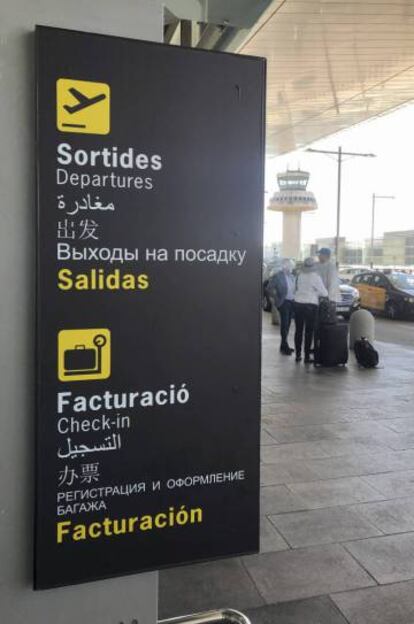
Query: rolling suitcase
[(331, 345)]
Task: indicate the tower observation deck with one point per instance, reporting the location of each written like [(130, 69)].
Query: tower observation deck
[(292, 200)]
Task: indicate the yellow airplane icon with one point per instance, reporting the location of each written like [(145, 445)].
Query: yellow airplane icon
[(82, 106)]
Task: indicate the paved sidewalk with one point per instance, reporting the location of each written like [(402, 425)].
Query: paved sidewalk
[(337, 538)]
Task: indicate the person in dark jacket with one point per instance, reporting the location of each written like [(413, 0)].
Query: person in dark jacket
[(282, 290)]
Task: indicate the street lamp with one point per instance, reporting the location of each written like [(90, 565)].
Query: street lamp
[(339, 154), (374, 198)]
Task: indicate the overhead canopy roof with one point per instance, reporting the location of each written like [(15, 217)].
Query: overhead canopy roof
[(331, 64)]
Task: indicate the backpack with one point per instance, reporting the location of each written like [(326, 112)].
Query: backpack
[(366, 355)]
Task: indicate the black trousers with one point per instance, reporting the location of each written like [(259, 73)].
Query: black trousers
[(306, 315), (286, 314)]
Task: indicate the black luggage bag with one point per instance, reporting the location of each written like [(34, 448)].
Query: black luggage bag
[(331, 345), (366, 355), (327, 312)]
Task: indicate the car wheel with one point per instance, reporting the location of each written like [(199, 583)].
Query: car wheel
[(391, 310)]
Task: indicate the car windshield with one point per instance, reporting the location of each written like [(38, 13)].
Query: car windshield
[(402, 280)]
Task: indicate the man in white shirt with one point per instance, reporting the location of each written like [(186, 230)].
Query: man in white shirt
[(309, 288), (329, 274)]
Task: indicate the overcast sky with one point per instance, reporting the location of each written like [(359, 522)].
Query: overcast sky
[(390, 173)]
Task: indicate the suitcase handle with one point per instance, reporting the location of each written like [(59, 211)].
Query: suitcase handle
[(80, 347)]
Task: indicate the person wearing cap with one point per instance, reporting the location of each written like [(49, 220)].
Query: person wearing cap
[(309, 287), (282, 290), (329, 274)]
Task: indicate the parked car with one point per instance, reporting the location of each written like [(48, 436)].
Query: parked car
[(268, 269), (346, 274), (387, 292), (350, 300)]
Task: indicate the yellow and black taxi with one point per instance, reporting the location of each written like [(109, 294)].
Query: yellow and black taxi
[(387, 292)]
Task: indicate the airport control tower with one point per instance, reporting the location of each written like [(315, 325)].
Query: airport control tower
[(292, 199)]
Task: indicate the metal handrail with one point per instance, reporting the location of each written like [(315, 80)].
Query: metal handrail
[(210, 617)]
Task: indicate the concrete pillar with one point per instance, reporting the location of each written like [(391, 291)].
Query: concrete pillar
[(291, 245), (362, 325), (275, 316), (104, 602)]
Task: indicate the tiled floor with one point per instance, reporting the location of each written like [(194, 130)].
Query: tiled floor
[(337, 529)]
